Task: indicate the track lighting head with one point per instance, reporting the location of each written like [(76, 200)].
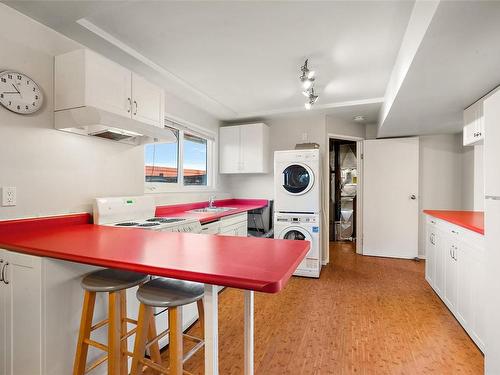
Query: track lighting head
[(307, 79)]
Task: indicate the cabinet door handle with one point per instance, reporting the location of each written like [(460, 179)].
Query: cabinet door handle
[(1, 272), (433, 222), (4, 269), (129, 105), (454, 231), (136, 107)]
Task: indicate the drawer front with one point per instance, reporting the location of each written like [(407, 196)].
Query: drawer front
[(211, 228), (233, 219)]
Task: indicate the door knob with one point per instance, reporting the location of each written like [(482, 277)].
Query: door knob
[(413, 197)]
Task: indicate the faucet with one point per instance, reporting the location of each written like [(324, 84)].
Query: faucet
[(211, 201)]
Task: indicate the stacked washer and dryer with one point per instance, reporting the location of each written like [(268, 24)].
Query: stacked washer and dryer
[(297, 212)]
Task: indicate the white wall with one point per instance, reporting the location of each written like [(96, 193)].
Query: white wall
[(285, 133), (56, 172), (440, 177), (478, 178), (468, 178), (342, 127)]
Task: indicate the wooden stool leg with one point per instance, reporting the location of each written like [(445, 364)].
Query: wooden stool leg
[(201, 316), (175, 343), (82, 348), (114, 336), (154, 349), (145, 314), (123, 332)]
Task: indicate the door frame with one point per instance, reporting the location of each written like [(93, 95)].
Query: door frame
[(359, 192)]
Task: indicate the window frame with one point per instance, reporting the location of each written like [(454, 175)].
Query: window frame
[(165, 187)]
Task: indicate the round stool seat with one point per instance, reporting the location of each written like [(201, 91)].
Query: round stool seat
[(165, 292), (111, 280)]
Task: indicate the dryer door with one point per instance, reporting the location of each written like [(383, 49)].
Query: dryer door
[(299, 234), (295, 233), (298, 179)]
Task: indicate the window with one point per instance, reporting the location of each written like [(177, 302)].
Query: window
[(161, 161), (181, 165), (195, 160)]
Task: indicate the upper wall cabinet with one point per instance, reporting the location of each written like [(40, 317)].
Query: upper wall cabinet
[(244, 149), (474, 124), (84, 78)]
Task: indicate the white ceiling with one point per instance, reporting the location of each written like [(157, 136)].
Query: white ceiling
[(242, 59), (458, 62)]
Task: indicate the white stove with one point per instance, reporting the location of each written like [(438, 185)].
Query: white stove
[(138, 212)]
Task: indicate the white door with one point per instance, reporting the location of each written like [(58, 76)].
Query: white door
[(451, 274), (430, 252), (147, 102), (3, 327), (251, 148), (23, 314), (229, 149), (442, 243), (108, 85), (390, 192)]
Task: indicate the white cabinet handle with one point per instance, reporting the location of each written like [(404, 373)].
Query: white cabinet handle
[(4, 269), (1, 272), (136, 107), (129, 105)]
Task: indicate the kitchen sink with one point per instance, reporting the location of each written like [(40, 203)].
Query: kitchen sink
[(213, 209)]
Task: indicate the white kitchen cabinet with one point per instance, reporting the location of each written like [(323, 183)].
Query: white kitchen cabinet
[(211, 228), (148, 102), (244, 148), (21, 313), (440, 259), (234, 225), (455, 270), (85, 78), (474, 131), (450, 250), (430, 252)]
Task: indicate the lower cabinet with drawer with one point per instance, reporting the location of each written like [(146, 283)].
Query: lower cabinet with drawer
[(232, 225), (455, 261)]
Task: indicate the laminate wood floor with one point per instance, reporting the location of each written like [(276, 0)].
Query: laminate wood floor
[(365, 315)]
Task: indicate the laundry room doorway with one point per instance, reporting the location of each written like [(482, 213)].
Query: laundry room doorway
[(344, 189)]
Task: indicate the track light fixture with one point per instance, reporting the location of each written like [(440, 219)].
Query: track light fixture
[(307, 78), (312, 97)]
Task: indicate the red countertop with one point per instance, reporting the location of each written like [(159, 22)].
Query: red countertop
[(239, 205), (472, 220), (258, 264)]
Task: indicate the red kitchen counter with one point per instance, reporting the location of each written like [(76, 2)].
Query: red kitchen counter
[(472, 220), (183, 210), (258, 264)]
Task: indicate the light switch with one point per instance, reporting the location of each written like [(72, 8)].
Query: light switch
[(8, 196)]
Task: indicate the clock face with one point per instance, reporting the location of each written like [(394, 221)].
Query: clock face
[(19, 93)]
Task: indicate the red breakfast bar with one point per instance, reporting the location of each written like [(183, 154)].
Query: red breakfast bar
[(252, 264)]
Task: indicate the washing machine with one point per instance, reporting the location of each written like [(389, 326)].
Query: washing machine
[(297, 182), (301, 227)]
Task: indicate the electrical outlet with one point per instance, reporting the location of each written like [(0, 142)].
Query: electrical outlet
[(8, 196)]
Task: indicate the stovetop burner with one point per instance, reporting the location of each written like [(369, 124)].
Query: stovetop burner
[(148, 224), (164, 220), (127, 224)]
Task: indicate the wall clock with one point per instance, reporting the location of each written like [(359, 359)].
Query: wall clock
[(19, 93)]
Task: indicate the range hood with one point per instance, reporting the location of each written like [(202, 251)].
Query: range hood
[(96, 122)]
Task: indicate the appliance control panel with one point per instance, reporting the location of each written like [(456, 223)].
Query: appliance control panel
[(297, 219)]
